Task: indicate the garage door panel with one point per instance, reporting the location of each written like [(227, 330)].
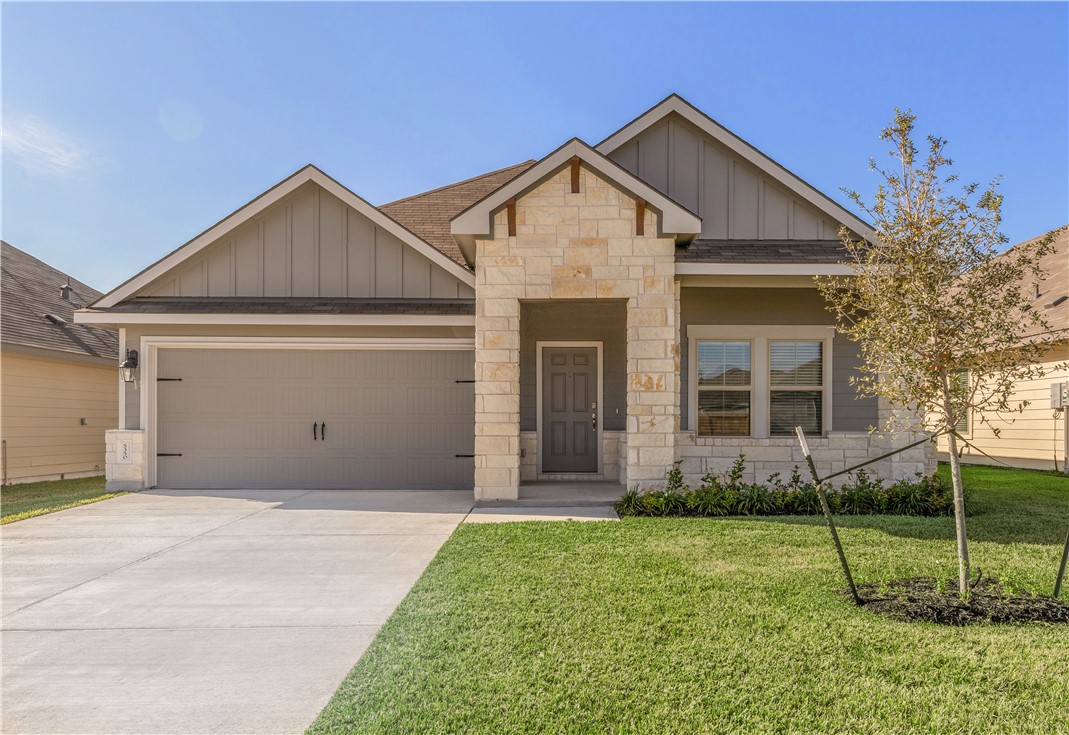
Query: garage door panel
[(243, 418)]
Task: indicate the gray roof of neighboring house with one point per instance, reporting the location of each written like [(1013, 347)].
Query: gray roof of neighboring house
[(1052, 298), (762, 251), (428, 214), (287, 305), (29, 291)]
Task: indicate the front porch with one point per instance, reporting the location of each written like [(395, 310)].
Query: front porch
[(561, 494), (578, 266)]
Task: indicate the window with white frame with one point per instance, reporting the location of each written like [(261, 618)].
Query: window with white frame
[(725, 385), (796, 386), (759, 381)]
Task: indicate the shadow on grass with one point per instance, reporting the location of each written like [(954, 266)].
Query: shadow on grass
[(1001, 529), (1005, 507)]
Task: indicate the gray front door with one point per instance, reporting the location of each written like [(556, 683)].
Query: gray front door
[(569, 409)]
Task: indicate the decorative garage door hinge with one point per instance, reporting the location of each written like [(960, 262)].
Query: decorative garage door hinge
[(168, 380), (168, 454), (463, 381), (463, 455)]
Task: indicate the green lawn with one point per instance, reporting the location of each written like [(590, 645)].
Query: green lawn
[(18, 502), (662, 625)]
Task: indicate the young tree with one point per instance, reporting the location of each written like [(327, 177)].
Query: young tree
[(931, 296)]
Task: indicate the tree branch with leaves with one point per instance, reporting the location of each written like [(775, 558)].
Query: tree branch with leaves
[(932, 296)]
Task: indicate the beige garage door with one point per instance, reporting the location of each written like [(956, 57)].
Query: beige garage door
[(253, 418)]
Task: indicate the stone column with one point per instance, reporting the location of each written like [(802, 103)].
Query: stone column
[(124, 454), (652, 366), (497, 395)]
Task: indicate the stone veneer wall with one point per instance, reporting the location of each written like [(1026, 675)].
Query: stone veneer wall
[(781, 454), (832, 453), (575, 246), (124, 456)]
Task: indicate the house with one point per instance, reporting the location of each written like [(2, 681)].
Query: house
[(58, 392), (1034, 437), (592, 315)]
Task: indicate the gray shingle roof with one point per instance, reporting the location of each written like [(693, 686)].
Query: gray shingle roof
[(285, 305), (1051, 299), (428, 214), (31, 289), (762, 251)]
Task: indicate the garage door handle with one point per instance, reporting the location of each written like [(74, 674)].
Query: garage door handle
[(315, 428), (323, 431)]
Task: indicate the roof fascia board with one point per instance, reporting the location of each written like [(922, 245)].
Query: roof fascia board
[(744, 150), (476, 220), (257, 206), (411, 320), (62, 355), (307, 343), (747, 281), (763, 269)]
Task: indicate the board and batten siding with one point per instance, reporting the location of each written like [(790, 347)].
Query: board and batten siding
[(311, 244), (1036, 433), (777, 307), (44, 401), (733, 198)]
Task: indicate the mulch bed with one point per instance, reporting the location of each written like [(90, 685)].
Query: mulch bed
[(921, 599)]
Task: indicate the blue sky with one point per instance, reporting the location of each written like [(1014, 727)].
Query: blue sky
[(131, 127)]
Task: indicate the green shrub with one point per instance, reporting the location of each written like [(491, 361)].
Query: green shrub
[(715, 496), (629, 504), (713, 501), (757, 500)]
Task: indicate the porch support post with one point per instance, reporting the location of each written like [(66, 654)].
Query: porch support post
[(497, 396), (652, 369)]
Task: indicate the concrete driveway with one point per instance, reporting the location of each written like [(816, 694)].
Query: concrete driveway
[(204, 611)]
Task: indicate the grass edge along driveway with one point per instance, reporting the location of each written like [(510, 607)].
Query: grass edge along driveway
[(716, 625), (19, 502)]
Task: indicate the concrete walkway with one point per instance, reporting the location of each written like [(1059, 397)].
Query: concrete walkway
[(204, 611), (520, 513)]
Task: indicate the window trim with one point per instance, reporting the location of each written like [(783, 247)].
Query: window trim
[(967, 433), (822, 388), (750, 388), (760, 397)]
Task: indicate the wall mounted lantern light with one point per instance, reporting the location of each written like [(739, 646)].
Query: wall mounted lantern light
[(128, 367)]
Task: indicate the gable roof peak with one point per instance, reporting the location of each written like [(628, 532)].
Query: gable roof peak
[(675, 103), (307, 173), (476, 220)]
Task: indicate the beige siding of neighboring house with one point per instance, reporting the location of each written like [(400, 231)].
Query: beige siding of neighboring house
[(1037, 433), (43, 403)]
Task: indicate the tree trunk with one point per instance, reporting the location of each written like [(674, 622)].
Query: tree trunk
[(959, 517)]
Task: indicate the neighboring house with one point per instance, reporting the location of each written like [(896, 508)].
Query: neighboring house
[(593, 315), (1035, 437), (57, 378)]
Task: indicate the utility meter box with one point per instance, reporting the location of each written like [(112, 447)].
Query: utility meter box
[(1059, 395)]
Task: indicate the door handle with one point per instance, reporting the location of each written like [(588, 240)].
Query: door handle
[(315, 428), (323, 431), (594, 420)]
